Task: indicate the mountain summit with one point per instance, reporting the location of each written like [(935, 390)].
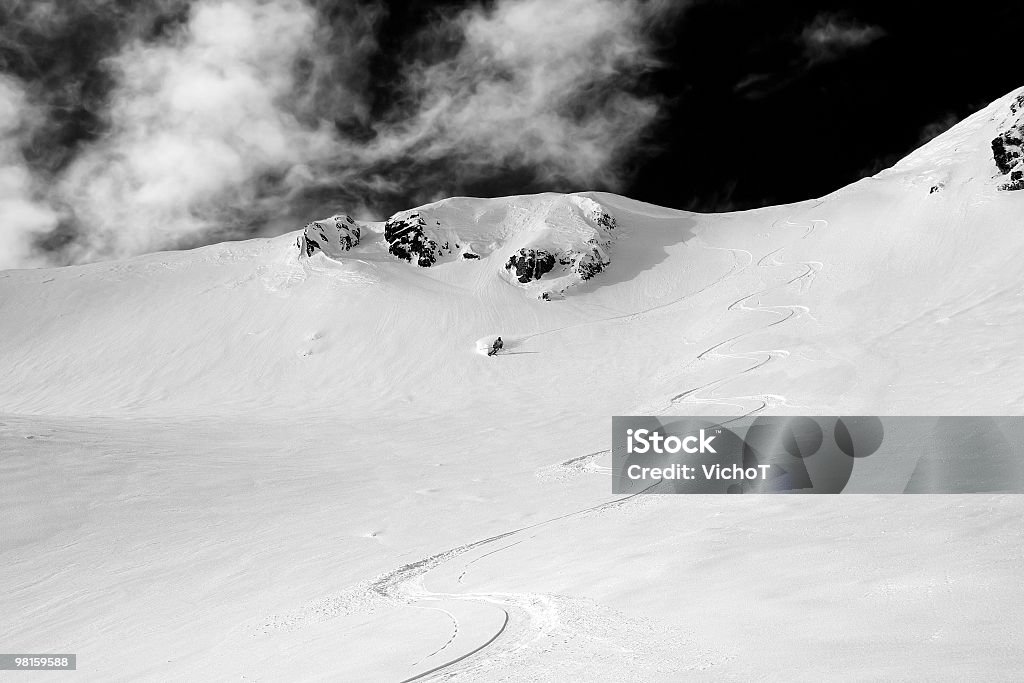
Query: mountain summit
[(562, 239)]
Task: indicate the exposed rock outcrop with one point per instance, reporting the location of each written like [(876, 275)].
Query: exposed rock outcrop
[(410, 238), (1008, 148), (543, 243), (333, 236), (573, 249), (530, 264)]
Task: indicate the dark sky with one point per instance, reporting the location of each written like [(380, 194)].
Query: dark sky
[(768, 103), (708, 105), (771, 119)]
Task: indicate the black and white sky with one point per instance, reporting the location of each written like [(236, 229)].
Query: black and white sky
[(127, 127)]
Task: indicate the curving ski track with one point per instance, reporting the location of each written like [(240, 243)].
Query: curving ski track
[(405, 583), (760, 357)]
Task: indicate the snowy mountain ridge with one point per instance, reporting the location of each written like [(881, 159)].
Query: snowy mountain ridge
[(984, 149), (562, 239), (190, 341)]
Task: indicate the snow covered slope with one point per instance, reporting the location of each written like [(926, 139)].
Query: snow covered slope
[(257, 460)]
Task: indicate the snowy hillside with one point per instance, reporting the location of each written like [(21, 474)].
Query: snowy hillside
[(274, 460)]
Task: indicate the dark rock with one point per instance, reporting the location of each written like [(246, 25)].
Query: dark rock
[(333, 236), (579, 260), (530, 264), (585, 264), (1006, 150), (470, 255), (605, 220), (1016, 181), (306, 245), (587, 268), (407, 240), (1017, 105)]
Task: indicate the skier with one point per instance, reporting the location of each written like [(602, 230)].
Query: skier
[(496, 346)]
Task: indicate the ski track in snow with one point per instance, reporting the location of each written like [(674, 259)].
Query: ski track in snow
[(529, 618), (734, 270), (405, 584), (722, 350), (582, 464), (535, 616), (574, 467), (503, 635), (455, 632), (465, 569), (585, 464)]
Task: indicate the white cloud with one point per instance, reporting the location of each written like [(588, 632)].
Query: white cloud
[(227, 126), (829, 36), (193, 125), (536, 83), (24, 214)]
